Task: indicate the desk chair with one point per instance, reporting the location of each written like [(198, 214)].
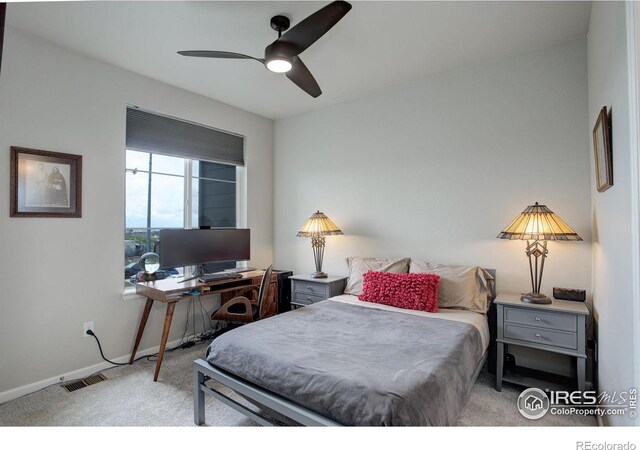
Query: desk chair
[(242, 310)]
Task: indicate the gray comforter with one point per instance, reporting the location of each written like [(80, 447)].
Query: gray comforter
[(356, 365)]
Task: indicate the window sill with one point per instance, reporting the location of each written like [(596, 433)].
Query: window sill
[(130, 294)]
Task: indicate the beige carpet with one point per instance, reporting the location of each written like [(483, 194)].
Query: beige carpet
[(130, 398)]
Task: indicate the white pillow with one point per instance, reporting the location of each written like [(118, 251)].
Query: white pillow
[(461, 287), (359, 265)]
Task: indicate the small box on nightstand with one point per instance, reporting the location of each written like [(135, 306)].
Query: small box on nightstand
[(574, 295)]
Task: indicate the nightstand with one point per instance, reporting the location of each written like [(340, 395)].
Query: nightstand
[(558, 328), (306, 290)]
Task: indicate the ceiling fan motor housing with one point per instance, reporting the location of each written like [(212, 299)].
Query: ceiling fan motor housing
[(280, 23), (280, 50)]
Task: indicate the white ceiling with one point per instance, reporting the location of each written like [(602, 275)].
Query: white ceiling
[(376, 45)]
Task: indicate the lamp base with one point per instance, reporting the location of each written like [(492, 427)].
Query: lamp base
[(536, 297), (319, 275)]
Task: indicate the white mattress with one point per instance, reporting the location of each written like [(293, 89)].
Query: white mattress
[(479, 321)]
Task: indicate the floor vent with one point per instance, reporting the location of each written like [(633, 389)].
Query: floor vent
[(83, 383)]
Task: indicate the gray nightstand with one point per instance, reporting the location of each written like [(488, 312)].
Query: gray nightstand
[(306, 290), (558, 327)]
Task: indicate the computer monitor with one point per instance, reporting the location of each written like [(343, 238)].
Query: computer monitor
[(180, 248)]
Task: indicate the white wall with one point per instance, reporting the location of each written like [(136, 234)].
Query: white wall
[(56, 274), (611, 210), (437, 168)]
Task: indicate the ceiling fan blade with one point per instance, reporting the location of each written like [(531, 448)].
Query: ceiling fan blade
[(301, 76), (305, 33), (216, 54)]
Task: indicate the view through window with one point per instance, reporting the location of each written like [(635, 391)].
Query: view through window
[(172, 192)]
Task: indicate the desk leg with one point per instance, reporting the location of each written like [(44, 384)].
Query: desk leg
[(143, 323), (165, 334)]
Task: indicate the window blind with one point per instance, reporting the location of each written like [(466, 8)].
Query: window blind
[(173, 137)]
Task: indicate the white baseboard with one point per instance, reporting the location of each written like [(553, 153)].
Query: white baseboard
[(73, 375)]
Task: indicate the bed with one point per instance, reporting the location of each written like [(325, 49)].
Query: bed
[(348, 362)]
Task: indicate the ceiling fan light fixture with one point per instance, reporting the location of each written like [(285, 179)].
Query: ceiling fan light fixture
[(279, 65)]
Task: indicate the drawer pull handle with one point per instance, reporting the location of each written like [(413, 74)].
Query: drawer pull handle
[(309, 288), (537, 319), (538, 335)]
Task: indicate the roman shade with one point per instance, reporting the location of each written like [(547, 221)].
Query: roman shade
[(155, 133)]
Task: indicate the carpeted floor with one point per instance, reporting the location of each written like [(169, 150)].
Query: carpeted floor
[(130, 398)]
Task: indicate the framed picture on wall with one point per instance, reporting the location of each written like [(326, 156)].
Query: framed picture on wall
[(45, 184), (603, 151)]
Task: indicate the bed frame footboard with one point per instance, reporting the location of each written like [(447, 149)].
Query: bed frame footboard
[(202, 371)]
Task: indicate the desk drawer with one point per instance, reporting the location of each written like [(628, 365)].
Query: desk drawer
[(307, 287), (306, 299), (541, 319), (541, 336)]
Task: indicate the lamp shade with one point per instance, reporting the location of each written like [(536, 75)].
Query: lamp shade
[(537, 222), (319, 225)]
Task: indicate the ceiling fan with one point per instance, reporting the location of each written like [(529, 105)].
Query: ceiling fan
[(281, 56)]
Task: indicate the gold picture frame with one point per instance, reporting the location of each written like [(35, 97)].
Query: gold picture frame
[(603, 151)]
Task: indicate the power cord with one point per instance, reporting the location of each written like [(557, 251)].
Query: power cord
[(91, 333), (148, 357), (183, 345), (190, 341), (202, 337)]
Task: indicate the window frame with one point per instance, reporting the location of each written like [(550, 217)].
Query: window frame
[(188, 179)]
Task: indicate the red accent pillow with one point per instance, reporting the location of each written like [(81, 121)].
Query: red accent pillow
[(403, 290)]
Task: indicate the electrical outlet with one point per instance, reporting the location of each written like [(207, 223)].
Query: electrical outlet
[(86, 327), (62, 379)]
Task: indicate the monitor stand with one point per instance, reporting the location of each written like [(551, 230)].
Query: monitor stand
[(198, 273)]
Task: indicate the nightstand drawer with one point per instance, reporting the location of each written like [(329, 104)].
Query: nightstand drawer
[(541, 319), (540, 336), (306, 299), (307, 287)]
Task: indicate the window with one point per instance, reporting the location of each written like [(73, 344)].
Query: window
[(178, 175), (172, 192)]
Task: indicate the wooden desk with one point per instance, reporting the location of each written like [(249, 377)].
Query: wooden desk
[(170, 291)]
